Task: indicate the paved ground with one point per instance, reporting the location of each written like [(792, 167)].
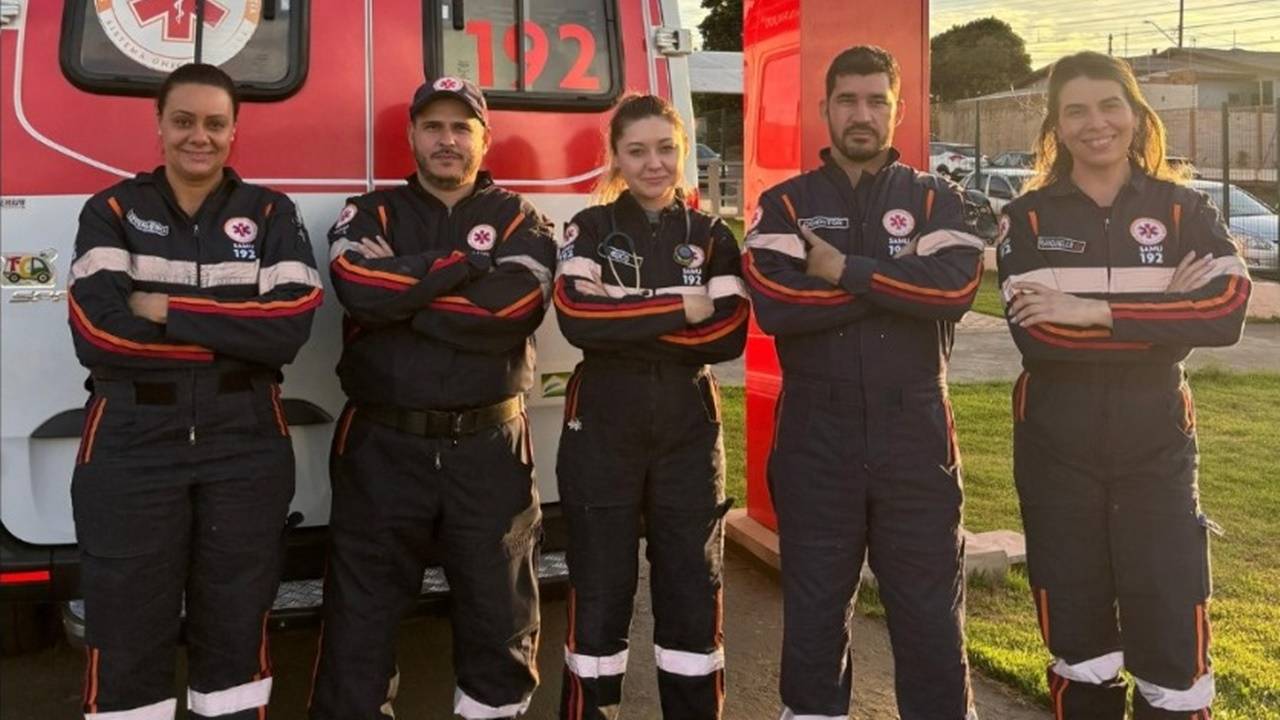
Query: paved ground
[(985, 351), (46, 685)]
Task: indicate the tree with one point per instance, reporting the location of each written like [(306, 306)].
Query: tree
[(722, 28), (979, 57)]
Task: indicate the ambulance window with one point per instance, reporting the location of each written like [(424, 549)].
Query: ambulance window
[(777, 139), (127, 46), (570, 50)]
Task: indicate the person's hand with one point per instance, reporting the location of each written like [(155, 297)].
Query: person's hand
[(908, 249), (1034, 303), (823, 260), (150, 306), (375, 248), (586, 287), (697, 308), (1191, 274)]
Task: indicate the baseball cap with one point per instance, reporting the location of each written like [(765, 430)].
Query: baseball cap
[(459, 88)]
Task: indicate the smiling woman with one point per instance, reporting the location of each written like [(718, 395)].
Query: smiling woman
[(190, 290), (1112, 271)]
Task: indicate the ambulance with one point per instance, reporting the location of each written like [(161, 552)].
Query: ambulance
[(326, 88)]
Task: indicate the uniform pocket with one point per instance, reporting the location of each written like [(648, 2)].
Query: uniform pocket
[(572, 390), (1020, 397), (709, 396), (277, 408)]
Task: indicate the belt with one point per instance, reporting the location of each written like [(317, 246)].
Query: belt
[(166, 393), (445, 423)]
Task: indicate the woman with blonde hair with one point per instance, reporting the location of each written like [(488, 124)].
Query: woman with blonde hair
[(1112, 271), (652, 292)]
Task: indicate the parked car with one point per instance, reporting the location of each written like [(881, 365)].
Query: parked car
[(999, 185), (1253, 224), (953, 159), (1014, 159), (705, 157)]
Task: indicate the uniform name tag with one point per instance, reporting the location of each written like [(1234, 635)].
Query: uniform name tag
[(822, 222), (1058, 243)]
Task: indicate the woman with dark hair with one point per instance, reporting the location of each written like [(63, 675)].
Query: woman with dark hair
[(189, 291), (652, 292), (1112, 271)]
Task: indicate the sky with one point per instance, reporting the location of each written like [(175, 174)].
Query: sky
[(1053, 28)]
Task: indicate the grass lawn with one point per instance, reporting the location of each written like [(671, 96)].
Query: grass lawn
[(988, 301), (1239, 419)]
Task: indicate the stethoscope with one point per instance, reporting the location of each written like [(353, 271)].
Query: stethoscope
[(610, 240)]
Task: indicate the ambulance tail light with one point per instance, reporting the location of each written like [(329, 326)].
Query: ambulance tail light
[(25, 577)]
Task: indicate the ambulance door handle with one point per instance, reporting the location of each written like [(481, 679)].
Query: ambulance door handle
[(459, 16)]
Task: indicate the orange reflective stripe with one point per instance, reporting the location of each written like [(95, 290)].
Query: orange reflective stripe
[(932, 292), (1133, 310), (382, 217), (310, 297), (791, 210), (91, 429), (1034, 219), (343, 428), (187, 352), (1201, 644), (115, 207), (512, 227), (754, 273), (710, 333), (349, 266), (1043, 596), (1177, 220), (928, 205)]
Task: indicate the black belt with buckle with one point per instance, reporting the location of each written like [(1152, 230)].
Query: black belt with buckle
[(445, 423)]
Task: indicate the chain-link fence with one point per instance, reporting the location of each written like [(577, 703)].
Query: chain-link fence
[(1233, 150)]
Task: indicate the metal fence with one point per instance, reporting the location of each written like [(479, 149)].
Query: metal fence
[(1234, 152), (720, 188)]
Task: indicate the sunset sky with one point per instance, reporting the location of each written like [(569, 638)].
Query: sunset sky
[(1055, 27)]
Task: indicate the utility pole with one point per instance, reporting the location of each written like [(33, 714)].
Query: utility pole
[(1181, 3), (1110, 37)]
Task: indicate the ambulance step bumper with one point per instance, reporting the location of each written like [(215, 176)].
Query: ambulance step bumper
[(298, 601)]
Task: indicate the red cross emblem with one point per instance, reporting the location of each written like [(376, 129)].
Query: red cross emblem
[(898, 222), (241, 229), (179, 16), (448, 83), (1147, 230)]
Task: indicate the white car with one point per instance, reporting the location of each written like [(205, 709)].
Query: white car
[(952, 159), (1000, 185), (1253, 224)]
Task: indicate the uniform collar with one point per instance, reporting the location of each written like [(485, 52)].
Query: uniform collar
[(1138, 181), (629, 206), (829, 162), (483, 181), (156, 178)]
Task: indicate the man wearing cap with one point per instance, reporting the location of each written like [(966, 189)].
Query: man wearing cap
[(443, 281)]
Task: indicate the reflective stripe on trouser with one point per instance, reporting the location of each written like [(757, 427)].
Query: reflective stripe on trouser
[(1114, 534), (644, 450), (159, 519), (395, 495), (163, 710), (850, 478)]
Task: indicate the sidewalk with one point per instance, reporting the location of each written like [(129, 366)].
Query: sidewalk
[(984, 351)]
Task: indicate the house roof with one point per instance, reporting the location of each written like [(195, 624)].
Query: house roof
[(1193, 63)]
